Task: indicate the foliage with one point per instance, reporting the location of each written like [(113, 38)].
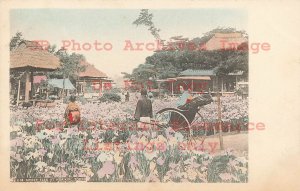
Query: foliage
[(108, 97), (80, 99), (90, 151), (169, 63), (182, 54), (113, 90), (70, 65), (15, 41), (146, 19)]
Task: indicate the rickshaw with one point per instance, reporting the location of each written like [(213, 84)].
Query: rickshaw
[(185, 119)]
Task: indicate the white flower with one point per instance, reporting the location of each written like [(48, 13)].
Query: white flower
[(137, 174), (48, 132), (40, 165), (50, 155), (143, 140), (41, 135), (30, 141), (52, 168), (64, 135), (62, 142), (117, 157), (153, 134), (152, 165), (172, 141), (150, 154), (116, 133), (16, 128), (241, 160), (105, 156), (161, 138), (179, 137)]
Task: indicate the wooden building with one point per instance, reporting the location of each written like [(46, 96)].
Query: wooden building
[(202, 81), (26, 61), (92, 82)]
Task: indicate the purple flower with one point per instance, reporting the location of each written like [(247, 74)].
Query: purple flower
[(42, 152), (55, 140), (160, 161), (133, 138), (60, 173), (173, 165), (107, 169), (133, 162), (17, 142)]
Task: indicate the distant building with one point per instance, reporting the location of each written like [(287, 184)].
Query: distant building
[(202, 81), (92, 82), (225, 41)]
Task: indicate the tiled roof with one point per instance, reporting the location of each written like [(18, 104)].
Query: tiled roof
[(190, 72), (91, 71)]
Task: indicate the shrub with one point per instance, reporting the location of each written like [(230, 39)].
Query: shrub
[(108, 97), (78, 99), (26, 104)]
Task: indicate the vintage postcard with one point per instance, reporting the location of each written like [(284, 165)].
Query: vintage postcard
[(191, 95)]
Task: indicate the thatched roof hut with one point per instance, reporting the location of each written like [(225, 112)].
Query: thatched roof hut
[(30, 57), (30, 54)]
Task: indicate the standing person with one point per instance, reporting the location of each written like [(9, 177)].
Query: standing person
[(72, 113), (123, 97), (137, 95), (127, 96), (143, 111)]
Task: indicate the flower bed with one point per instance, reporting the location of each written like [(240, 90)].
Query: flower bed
[(99, 150)]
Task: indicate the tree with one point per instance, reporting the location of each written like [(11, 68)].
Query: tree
[(181, 53), (52, 49), (15, 41), (146, 19), (70, 65)]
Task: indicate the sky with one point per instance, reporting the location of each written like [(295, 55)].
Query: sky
[(115, 26)]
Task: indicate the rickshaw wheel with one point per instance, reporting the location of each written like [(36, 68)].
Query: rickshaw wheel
[(171, 117)]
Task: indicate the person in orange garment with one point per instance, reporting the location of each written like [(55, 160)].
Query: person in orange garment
[(72, 113)]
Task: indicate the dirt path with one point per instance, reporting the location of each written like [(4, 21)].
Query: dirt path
[(237, 142)]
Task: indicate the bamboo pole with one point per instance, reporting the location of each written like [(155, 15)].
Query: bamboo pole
[(18, 93), (100, 87), (192, 85), (220, 119), (32, 90), (27, 86), (83, 87), (222, 85), (63, 90)]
